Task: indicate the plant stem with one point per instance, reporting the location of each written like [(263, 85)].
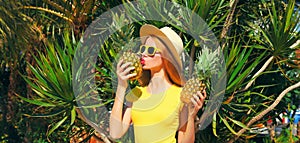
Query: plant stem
[(298, 128), (259, 116), (263, 68), (228, 21)]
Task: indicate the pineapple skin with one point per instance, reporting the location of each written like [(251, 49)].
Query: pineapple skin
[(190, 88), (136, 62)]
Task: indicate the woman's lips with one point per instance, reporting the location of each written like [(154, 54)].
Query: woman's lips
[(142, 61)]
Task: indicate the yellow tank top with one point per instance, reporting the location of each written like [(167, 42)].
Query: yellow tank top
[(156, 117)]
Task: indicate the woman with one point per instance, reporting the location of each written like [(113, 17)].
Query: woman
[(158, 113)]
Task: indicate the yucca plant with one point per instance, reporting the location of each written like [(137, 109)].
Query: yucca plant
[(52, 82), (237, 103), (276, 34)]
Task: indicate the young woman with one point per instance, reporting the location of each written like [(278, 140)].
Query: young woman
[(158, 114)]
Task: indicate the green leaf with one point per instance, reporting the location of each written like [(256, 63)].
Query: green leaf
[(54, 113), (97, 105), (237, 82), (37, 102), (264, 96), (227, 125), (57, 125), (239, 123), (73, 115), (214, 124), (241, 62)]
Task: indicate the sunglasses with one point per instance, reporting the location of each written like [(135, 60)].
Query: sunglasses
[(150, 50)]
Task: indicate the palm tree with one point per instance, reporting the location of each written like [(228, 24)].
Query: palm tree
[(255, 45), (278, 34), (15, 32)]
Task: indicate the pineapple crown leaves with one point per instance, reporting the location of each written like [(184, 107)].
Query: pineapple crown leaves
[(206, 63), (123, 34)]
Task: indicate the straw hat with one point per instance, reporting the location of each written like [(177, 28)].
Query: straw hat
[(173, 43)]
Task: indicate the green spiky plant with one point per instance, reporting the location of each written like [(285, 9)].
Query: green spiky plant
[(51, 81), (279, 32), (240, 104)]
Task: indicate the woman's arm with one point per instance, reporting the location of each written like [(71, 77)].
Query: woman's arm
[(186, 133), (120, 123)]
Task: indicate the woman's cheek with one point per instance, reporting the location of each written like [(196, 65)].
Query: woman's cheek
[(151, 63)]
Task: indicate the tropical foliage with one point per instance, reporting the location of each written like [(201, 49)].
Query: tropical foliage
[(39, 39)]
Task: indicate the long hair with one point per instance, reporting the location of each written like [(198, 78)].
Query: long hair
[(173, 70)]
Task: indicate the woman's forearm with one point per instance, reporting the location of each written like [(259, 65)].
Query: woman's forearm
[(189, 135), (116, 119)]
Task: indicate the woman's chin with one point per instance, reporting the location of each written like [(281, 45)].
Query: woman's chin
[(145, 68)]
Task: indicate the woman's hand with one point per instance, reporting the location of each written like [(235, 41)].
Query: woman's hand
[(197, 103), (123, 73)]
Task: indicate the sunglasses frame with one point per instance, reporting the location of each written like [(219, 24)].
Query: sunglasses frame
[(147, 50)]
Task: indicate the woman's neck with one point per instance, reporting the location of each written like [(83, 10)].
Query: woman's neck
[(159, 82)]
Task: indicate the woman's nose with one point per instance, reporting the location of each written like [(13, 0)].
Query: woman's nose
[(141, 55), (144, 54)]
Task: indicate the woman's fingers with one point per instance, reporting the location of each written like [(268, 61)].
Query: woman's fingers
[(131, 75), (123, 70), (197, 102), (125, 75), (194, 107), (204, 93), (125, 66), (201, 96), (119, 64), (127, 70)]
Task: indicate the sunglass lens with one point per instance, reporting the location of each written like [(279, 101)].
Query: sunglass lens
[(151, 50), (142, 50)]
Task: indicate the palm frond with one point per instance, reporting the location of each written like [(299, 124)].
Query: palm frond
[(58, 14)]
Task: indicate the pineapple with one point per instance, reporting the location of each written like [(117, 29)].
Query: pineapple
[(136, 62), (205, 67)]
